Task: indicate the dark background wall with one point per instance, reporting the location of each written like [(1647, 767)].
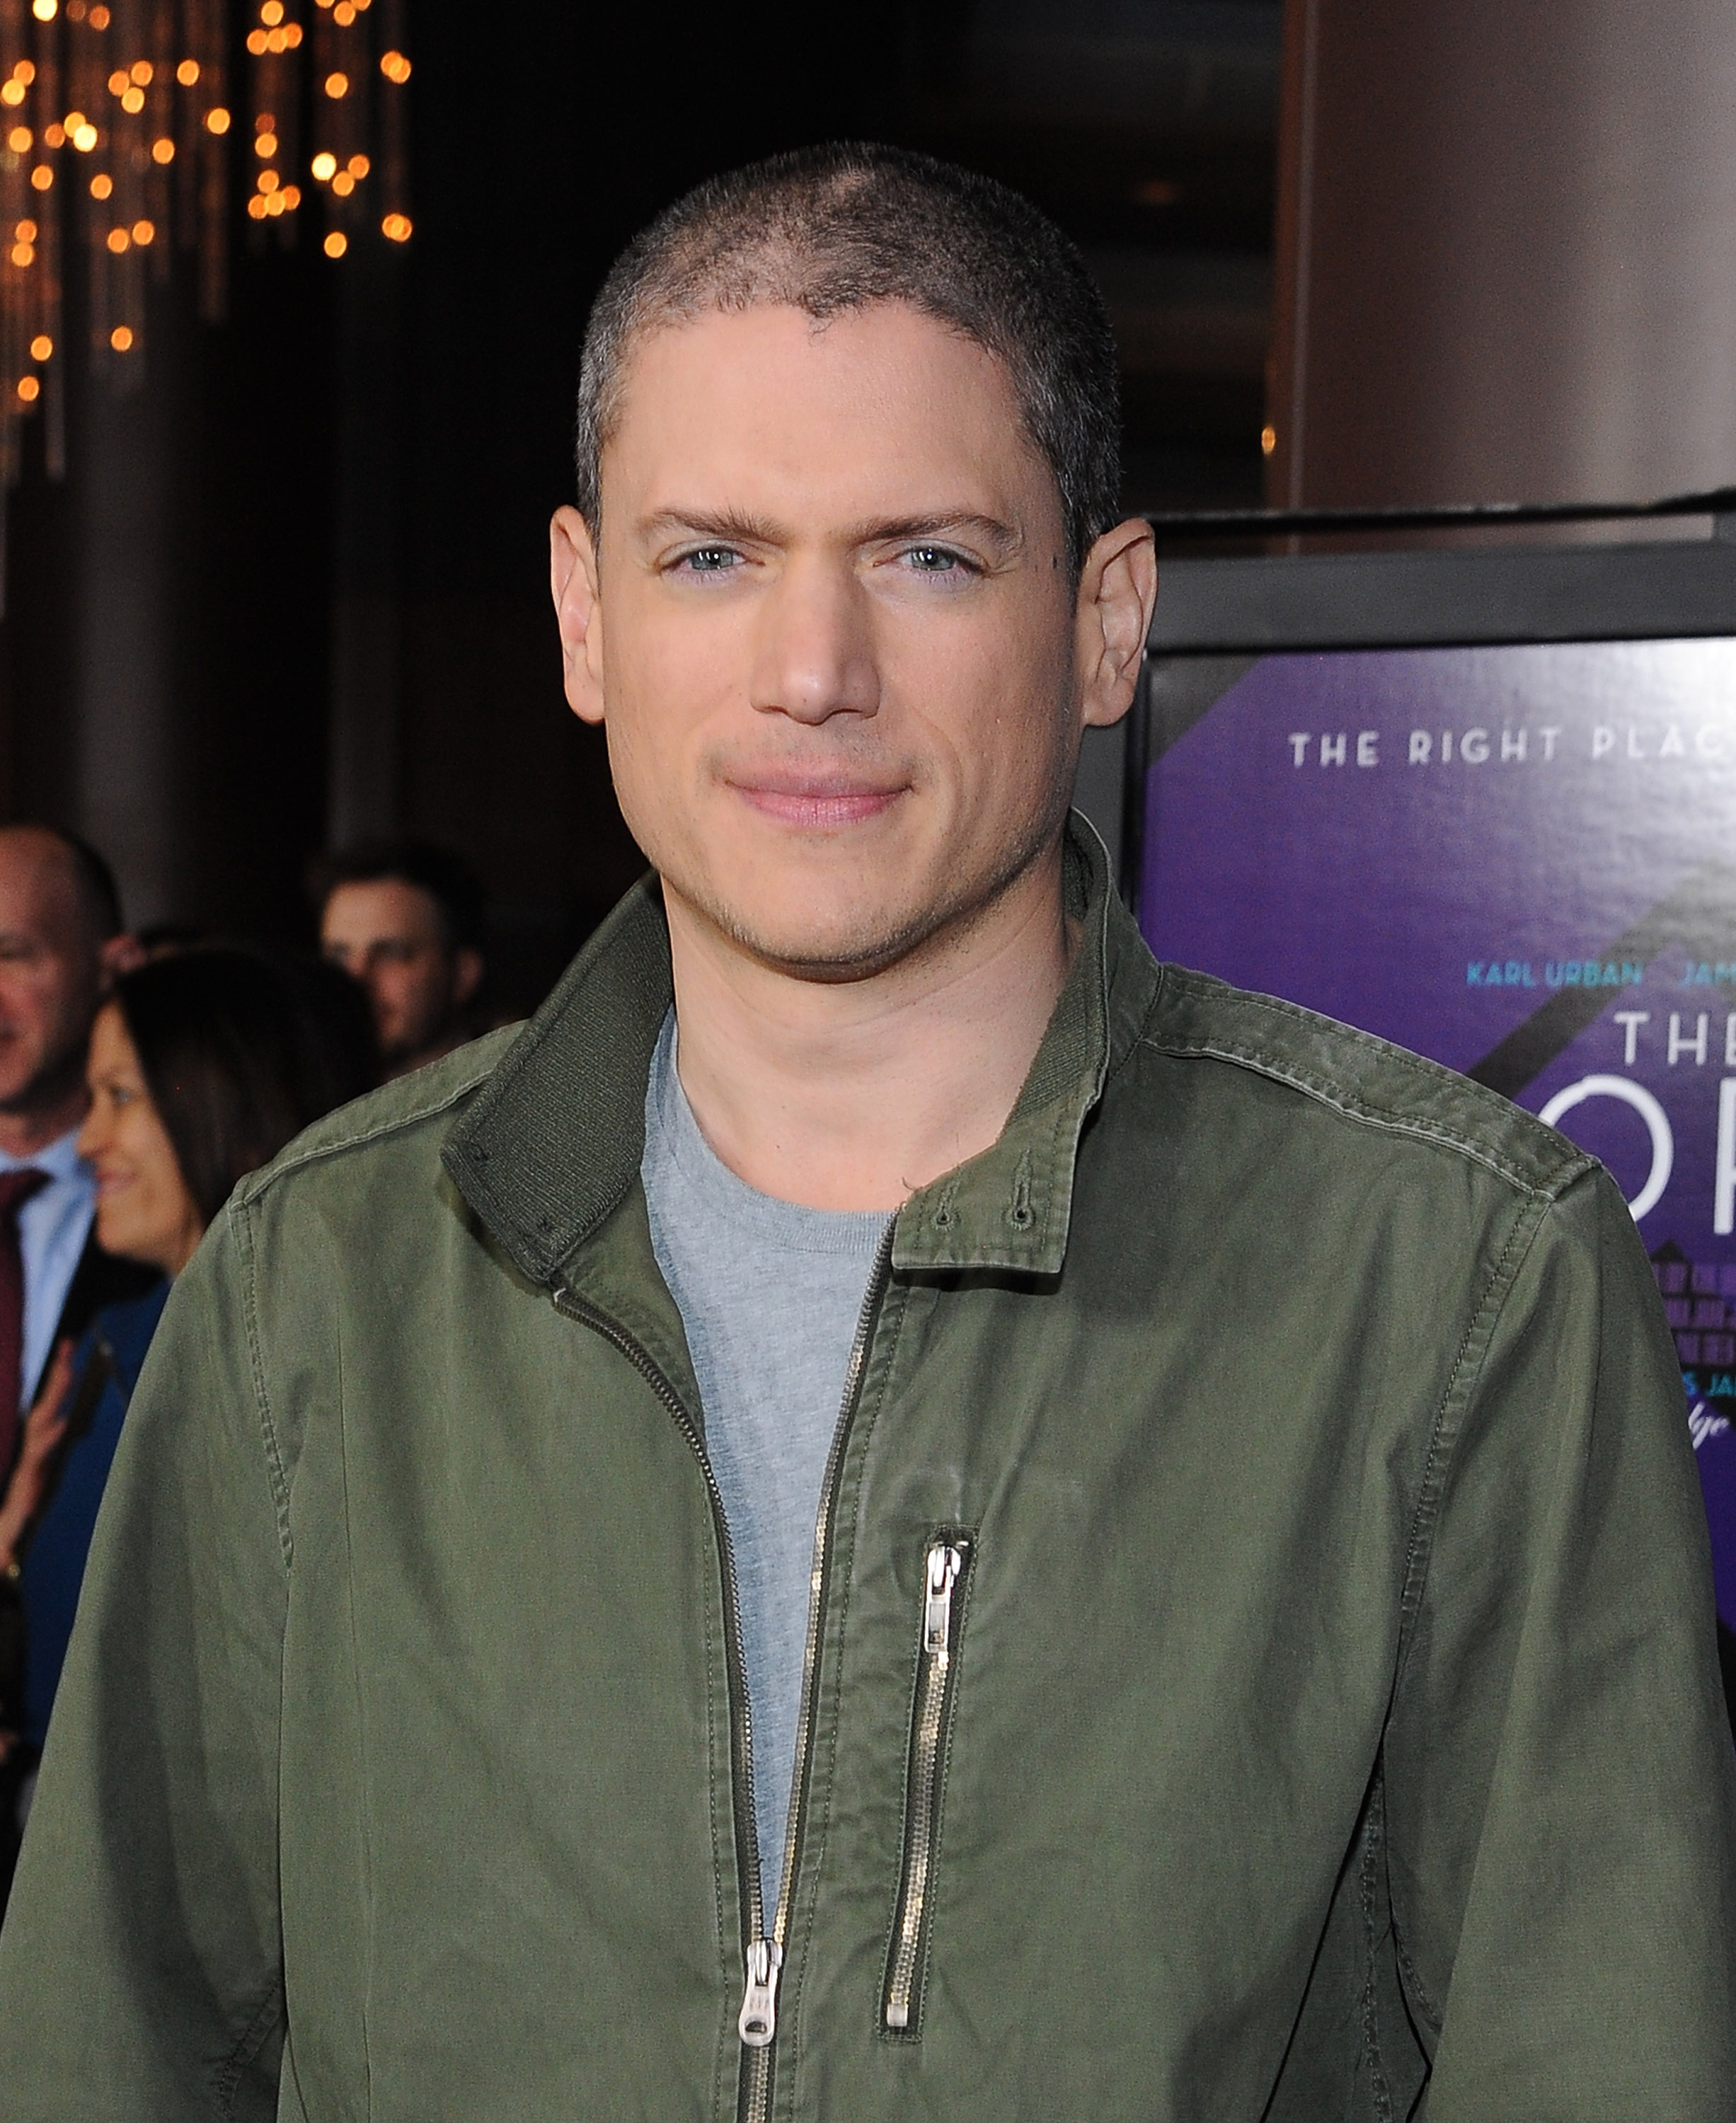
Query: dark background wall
[(1505, 270), (294, 587)]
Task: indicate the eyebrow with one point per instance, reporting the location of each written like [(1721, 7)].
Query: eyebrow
[(736, 526), (732, 525), (1002, 538)]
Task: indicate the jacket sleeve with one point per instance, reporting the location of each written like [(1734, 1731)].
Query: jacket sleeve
[(140, 1961), (1560, 1788)]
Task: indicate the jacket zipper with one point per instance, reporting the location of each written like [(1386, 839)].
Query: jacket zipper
[(943, 1566), (758, 2105), (762, 1953), (759, 1989)]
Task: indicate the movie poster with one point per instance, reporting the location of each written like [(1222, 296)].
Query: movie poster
[(1521, 861)]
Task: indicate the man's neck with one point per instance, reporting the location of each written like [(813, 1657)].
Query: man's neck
[(853, 1095), (31, 1129)]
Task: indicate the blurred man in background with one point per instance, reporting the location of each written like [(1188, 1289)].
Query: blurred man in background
[(404, 918), (62, 944)]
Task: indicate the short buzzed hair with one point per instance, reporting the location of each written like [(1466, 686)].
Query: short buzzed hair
[(836, 228), (441, 873)]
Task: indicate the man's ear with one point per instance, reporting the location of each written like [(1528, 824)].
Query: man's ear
[(120, 954), (572, 567), (1118, 591), (467, 973)]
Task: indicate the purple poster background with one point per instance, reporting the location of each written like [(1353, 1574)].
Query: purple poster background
[(1439, 845)]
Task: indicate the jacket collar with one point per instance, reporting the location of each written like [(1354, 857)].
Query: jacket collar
[(553, 1141)]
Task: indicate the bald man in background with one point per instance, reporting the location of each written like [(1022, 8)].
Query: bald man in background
[(62, 942)]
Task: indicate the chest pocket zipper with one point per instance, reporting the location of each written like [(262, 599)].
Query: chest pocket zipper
[(943, 1576)]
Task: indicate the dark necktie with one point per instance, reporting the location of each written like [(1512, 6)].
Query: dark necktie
[(16, 1189)]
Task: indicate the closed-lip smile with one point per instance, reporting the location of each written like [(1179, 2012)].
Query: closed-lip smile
[(815, 800)]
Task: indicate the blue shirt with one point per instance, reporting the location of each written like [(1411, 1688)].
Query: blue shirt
[(53, 1226)]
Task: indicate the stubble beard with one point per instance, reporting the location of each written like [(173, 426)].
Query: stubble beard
[(896, 935)]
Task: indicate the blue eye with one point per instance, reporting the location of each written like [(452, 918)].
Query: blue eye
[(934, 560), (710, 561)]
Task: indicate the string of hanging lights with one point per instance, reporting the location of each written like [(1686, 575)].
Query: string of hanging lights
[(119, 137)]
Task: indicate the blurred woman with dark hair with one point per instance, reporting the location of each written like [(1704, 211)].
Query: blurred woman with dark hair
[(203, 1064)]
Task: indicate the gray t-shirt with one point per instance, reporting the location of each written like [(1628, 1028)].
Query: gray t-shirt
[(770, 1294)]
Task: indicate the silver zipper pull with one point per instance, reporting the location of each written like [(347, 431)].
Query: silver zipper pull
[(944, 1565), (758, 2021)]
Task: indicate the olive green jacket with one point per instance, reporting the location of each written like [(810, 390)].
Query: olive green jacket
[(1261, 1660)]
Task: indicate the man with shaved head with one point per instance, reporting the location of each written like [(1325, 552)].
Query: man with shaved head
[(61, 944), (892, 1511)]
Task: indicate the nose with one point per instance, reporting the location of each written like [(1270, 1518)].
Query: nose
[(814, 651)]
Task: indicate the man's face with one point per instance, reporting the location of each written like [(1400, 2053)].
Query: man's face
[(51, 973), (388, 934), (831, 629)]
